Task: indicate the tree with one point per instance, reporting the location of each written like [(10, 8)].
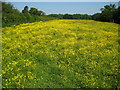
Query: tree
[(40, 13), (67, 16), (25, 9), (107, 13), (60, 16), (29, 17), (33, 11), (8, 8), (116, 15), (76, 16), (96, 16)]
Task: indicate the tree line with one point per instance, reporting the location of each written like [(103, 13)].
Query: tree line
[(11, 15), (110, 13), (33, 11)]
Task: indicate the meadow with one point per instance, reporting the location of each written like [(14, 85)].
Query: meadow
[(60, 54)]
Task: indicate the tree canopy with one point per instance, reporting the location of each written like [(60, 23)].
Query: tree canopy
[(25, 9), (8, 8), (11, 15)]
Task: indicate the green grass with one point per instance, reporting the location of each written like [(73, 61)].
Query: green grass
[(60, 54)]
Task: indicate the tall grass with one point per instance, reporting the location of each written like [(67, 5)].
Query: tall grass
[(60, 54)]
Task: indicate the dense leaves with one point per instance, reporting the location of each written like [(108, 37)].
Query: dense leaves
[(11, 16), (25, 9), (108, 14), (72, 16), (34, 11), (8, 8)]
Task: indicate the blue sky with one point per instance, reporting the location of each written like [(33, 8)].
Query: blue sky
[(60, 0), (64, 7)]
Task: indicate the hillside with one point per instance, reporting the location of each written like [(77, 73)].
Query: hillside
[(60, 54)]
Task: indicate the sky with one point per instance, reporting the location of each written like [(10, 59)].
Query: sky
[(60, 0), (64, 7)]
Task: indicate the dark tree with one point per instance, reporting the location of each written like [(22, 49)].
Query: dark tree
[(107, 13), (60, 16), (33, 11), (8, 8), (40, 13), (76, 16), (96, 16), (67, 16), (116, 14), (25, 10)]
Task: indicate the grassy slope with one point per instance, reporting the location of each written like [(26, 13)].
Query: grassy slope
[(60, 53)]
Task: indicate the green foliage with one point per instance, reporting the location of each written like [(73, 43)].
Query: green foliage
[(67, 16), (46, 18), (11, 16), (71, 16), (11, 19), (40, 13), (25, 9), (116, 15), (8, 8), (96, 16), (34, 11), (29, 17), (107, 13), (60, 16)]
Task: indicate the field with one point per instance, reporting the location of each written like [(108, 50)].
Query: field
[(60, 54)]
